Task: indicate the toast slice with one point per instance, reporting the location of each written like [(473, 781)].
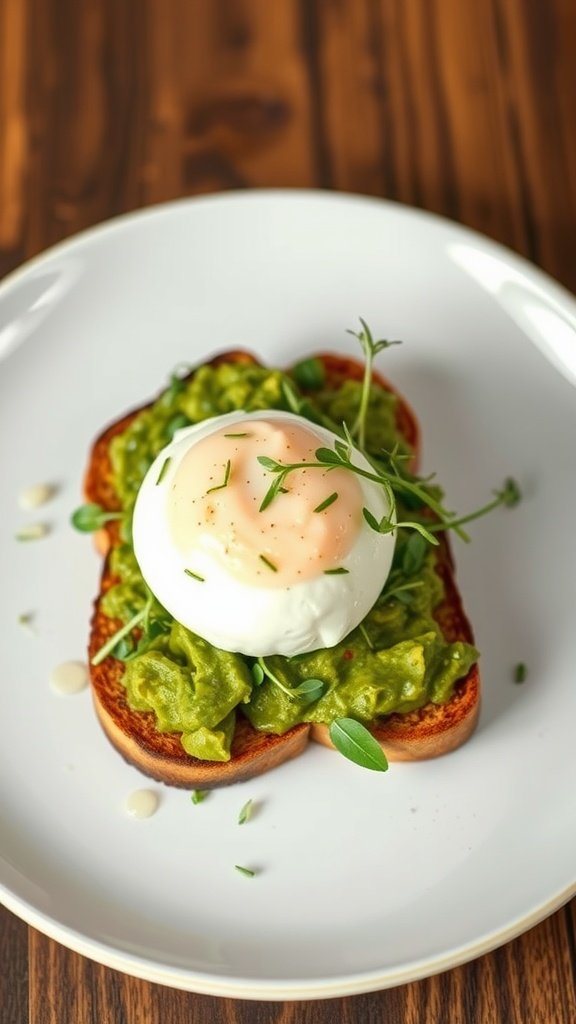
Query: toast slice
[(429, 732)]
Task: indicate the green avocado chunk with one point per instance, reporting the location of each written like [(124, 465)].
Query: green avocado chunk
[(192, 688), (395, 661)]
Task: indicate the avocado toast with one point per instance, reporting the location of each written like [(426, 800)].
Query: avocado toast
[(266, 726)]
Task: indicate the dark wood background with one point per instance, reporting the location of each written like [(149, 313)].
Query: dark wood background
[(464, 107)]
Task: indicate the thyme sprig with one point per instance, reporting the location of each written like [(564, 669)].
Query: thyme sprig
[(340, 457), (122, 645), (394, 481)]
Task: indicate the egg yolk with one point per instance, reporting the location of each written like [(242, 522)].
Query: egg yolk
[(214, 504)]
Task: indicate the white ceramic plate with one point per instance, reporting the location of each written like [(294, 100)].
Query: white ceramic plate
[(365, 880)]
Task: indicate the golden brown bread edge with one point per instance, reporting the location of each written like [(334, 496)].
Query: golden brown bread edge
[(429, 732)]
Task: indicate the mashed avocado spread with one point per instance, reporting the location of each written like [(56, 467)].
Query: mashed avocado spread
[(395, 661)]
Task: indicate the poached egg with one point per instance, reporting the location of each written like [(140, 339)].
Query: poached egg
[(255, 571)]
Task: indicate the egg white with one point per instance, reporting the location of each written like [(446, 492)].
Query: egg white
[(251, 619)]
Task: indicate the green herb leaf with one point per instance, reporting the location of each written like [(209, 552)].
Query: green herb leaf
[(274, 489), (510, 494), (342, 450), (327, 502), (90, 517), (311, 689), (328, 457), (163, 470), (354, 741), (245, 812), (340, 571), (371, 520), (414, 554), (123, 648), (199, 795), (403, 592), (258, 674), (270, 464), (247, 434), (151, 629), (309, 374), (248, 872)]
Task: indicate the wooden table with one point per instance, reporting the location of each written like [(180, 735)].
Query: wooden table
[(464, 108)]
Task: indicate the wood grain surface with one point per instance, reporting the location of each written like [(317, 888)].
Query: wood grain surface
[(463, 107)]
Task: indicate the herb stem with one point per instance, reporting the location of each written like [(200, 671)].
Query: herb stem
[(509, 496), (110, 644), (268, 672)]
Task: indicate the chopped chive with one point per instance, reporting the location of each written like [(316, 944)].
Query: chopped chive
[(246, 812), (245, 871), (238, 435), (164, 470), (520, 672), (336, 572), (327, 502), (195, 575), (268, 563), (220, 487), (198, 795)]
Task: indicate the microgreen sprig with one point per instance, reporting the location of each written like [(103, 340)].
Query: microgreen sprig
[(393, 481), (340, 457), (91, 517), (119, 635), (508, 495), (371, 349), (119, 645)]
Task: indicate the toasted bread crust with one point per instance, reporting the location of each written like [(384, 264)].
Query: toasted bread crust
[(429, 732)]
